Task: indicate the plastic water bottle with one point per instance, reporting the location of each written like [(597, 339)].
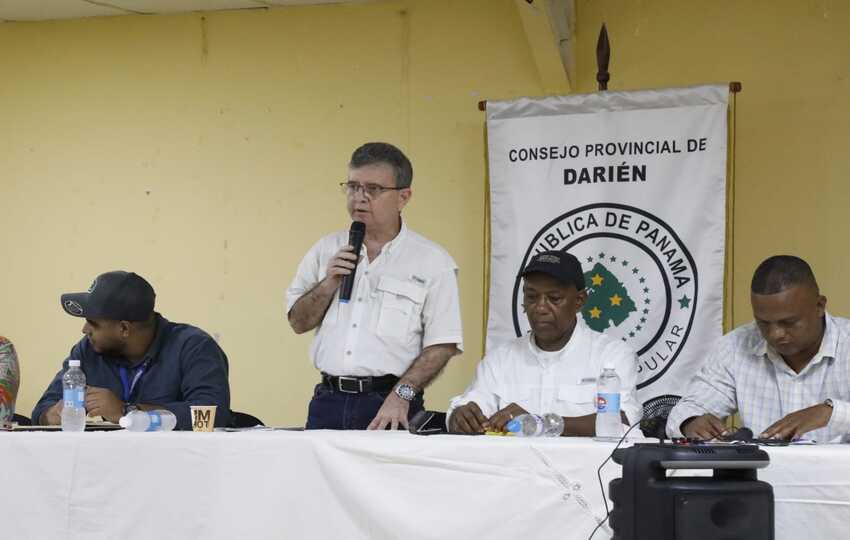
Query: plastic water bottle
[(158, 420), (534, 425), (609, 425), (74, 398)]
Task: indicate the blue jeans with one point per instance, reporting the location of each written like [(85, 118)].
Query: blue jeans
[(331, 409)]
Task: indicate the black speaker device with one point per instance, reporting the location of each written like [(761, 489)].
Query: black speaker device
[(732, 504)]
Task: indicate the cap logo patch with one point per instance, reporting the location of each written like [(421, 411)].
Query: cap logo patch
[(73, 308), (552, 259)]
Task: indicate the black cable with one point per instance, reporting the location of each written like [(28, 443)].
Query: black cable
[(599, 476)]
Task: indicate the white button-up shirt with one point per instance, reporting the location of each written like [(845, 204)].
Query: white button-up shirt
[(561, 382), (403, 301), (744, 374)]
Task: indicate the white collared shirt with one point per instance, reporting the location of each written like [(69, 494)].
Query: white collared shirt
[(746, 375), (561, 382), (403, 301)]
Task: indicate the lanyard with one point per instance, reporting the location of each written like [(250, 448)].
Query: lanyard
[(128, 386)]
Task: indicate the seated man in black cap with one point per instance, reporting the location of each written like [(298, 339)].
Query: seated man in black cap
[(554, 368), (134, 358)]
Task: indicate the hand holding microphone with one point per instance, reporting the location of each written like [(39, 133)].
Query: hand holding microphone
[(343, 265), (356, 234)]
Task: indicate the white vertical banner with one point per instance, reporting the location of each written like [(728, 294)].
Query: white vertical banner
[(633, 184)]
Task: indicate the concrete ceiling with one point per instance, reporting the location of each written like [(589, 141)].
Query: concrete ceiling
[(42, 10)]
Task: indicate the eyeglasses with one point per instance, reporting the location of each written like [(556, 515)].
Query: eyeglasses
[(370, 190)]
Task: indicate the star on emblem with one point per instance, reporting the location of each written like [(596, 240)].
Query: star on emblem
[(684, 302), (595, 313), (597, 280), (616, 299)]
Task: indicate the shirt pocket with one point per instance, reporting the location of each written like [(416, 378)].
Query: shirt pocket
[(401, 301), (578, 399)]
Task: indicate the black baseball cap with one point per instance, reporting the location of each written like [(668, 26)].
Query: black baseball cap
[(117, 296), (560, 265)]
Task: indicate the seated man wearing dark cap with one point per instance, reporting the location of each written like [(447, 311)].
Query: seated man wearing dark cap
[(554, 368), (134, 358)]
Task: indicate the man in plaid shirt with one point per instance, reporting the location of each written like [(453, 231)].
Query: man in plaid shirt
[(787, 373)]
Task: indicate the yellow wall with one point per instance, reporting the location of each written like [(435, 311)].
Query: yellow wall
[(203, 152), (793, 165)]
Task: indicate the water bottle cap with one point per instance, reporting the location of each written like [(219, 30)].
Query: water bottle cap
[(73, 363), (513, 426), (125, 422)]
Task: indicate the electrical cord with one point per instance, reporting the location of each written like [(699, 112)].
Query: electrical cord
[(599, 476)]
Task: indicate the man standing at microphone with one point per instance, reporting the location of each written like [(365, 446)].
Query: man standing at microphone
[(379, 350)]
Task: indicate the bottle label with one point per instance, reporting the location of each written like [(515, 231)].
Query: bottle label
[(156, 421), (607, 403), (74, 398)]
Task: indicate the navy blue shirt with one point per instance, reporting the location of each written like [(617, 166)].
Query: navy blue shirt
[(184, 366)]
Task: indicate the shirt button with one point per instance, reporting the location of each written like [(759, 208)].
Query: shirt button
[(367, 272), (348, 353), (359, 298), (354, 325)]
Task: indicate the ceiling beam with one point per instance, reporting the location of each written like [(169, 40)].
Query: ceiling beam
[(128, 11), (549, 31)]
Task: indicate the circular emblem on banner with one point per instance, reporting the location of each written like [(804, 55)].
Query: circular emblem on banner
[(641, 280)]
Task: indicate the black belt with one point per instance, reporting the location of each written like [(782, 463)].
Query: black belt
[(359, 385)]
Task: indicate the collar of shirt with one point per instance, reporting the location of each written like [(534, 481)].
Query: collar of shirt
[(390, 246), (161, 330), (544, 358), (827, 350)]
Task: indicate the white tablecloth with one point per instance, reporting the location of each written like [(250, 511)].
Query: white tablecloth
[(349, 485)]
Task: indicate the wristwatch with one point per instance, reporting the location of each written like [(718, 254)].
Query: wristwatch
[(828, 403), (405, 392)]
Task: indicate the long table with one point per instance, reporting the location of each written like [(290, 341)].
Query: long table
[(351, 485)]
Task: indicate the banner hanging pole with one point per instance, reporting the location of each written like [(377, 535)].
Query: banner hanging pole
[(603, 56), (729, 286)]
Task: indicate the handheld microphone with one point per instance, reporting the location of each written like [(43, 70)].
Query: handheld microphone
[(355, 239)]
